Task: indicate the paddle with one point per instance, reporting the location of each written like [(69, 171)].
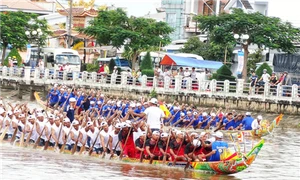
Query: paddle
[(121, 154), (56, 144), (151, 159), (83, 145), (29, 135), (22, 136), (39, 138), (174, 162), (47, 143), (188, 162), (64, 145), (142, 153), (75, 146), (168, 141), (112, 155), (104, 152), (91, 149), (14, 135)]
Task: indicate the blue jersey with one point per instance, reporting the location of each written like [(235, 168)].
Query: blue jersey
[(54, 96), (218, 147), (247, 122), (176, 118), (204, 120)]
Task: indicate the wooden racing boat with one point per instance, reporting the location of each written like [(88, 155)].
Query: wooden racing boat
[(265, 129), (230, 166)]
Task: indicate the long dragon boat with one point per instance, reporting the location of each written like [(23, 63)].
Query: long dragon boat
[(265, 129), (230, 166)]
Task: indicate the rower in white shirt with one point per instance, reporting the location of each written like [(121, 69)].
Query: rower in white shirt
[(256, 123)]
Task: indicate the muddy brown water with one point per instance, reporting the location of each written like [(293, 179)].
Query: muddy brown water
[(278, 159)]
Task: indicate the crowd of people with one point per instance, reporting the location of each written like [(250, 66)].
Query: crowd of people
[(258, 84), (88, 121)]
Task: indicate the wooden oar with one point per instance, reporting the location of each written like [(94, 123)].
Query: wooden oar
[(151, 159), (47, 143), (56, 144), (29, 135), (5, 130), (174, 162), (188, 162), (91, 149), (83, 145), (64, 145), (39, 138), (111, 156), (121, 154), (103, 156), (168, 141), (14, 135), (22, 136), (75, 146), (144, 144)]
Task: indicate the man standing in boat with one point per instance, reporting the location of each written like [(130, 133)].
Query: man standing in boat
[(247, 121), (154, 115)]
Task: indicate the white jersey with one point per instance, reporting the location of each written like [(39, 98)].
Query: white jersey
[(93, 137), (115, 140), (9, 121), (56, 130), (154, 115), (106, 136), (84, 137), (19, 133), (76, 135), (42, 125), (67, 133), (33, 134)]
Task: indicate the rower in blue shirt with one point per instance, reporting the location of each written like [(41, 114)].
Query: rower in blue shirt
[(247, 121), (218, 147), (54, 96)]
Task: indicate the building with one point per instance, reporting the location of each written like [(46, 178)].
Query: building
[(180, 13), (27, 6)]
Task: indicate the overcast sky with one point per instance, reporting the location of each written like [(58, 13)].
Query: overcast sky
[(288, 10), (134, 7)]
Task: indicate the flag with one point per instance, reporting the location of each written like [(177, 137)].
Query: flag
[(164, 109)]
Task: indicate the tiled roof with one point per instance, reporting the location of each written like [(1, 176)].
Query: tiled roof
[(79, 11), (22, 5), (246, 4)]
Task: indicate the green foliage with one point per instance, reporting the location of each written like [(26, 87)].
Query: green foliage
[(259, 70), (209, 51), (12, 53), (111, 65), (94, 67), (13, 26), (147, 62), (148, 72), (223, 73), (153, 94), (136, 34), (254, 58), (265, 31)]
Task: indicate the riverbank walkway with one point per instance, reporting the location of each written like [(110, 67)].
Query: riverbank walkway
[(168, 86)]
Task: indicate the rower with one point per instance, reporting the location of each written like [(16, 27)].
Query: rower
[(151, 146), (228, 121), (104, 135), (21, 125), (177, 147), (129, 147), (8, 122), (218, 147), (30, 126), (47, 132), (56, 133), (66, 133), (139, 143), (162, 144), (71, 109), (247, 121), (93, 133), (114, 146), (83, 139), (40, 126), (256, 123), (191, 148), (74, 133)]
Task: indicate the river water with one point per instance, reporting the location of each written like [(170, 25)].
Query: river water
[(278, 159)]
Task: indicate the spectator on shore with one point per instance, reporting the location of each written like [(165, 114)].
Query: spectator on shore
[(273, 80), (115, 71), (280, 79), (101, 68), (265, 78), (106, 69), (253, 79)]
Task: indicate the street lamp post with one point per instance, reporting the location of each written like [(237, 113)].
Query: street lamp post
[(242, 55), (34, 37)]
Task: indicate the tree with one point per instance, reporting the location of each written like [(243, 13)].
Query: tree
[(13, 53), (254, 58), (147, 62), (264, 31), (261, 68), (223, 73), (209, 51), (111, 65), (136, 34), (13, 26)]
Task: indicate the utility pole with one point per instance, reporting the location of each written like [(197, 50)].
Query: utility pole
[(70, 24)]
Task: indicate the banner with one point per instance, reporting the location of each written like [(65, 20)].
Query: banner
[(28, 53), (240, 62)]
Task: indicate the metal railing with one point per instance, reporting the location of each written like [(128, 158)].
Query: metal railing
[(170, 85)]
